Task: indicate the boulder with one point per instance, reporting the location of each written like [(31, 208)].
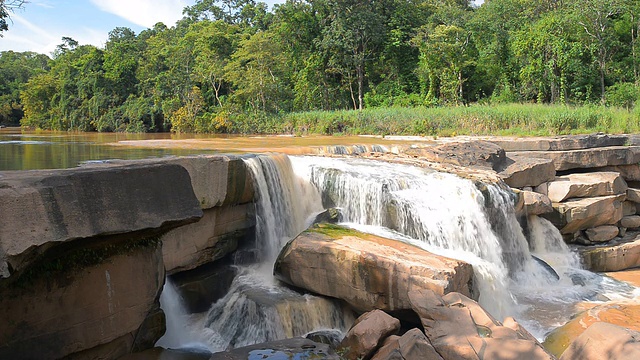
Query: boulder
[(467, 154), (613, 257), (568, 142), (218, 233), (365, 336), (630, 222), (536, 203), (459, 328), (390, 349), (40, 210), (602, 233), (588, 158), (604, 341), (633, 195), (367, 271), (580, 214), (521, 171), (202, 286), (100, 311), (585, 185), (413, 345), (628, 207), (623, 315), (628, 172)]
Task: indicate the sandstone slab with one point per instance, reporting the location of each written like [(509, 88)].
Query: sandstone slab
[(630, 222), (367, 271), (613, 257), (465, 153), (604, 341), (586, 185), (98, 310), (459, 328), (536, 203), (628, 207), (588, 158), (216, 234), (628, 172), (602, 233), (581, 214), (40, 210), (367, 334), (521, 171), (560, 143), (633, 195)]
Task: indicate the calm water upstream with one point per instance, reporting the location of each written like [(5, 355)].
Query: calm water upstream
[(29, 150)]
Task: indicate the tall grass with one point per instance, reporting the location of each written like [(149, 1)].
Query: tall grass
[(502, 119)]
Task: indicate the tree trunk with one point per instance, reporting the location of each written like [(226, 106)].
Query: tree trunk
[(460, 87), (360, 70), (602, 98)]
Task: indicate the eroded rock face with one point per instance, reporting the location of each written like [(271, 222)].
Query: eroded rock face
[(588, 158), (521, 171), (536, 203), (561, 143), (40, 210), (459, 328), (100, 310), (580, 214), (614, 257), (602, 233), (604, 341), (467, 154), (586, 185), (367, 271), (366, 335)]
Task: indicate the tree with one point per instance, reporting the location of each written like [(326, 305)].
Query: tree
[(6, 7)]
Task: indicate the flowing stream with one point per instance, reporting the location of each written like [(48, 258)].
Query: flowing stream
[(439, 212)]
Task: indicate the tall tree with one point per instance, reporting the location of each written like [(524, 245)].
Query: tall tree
[(6, 7)]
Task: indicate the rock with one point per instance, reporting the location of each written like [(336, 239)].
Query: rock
[(216, 234), (588, 158), (367, 333), (459, 328), (296, 348), (367, 271), (102, 311), (633, 195), (329, 337), (628, 207), (159, 353), (586, 185), (521, 171), (623, 315), (630, 222), (614, 257), (581, 214), (466, 154), (201, 287), (333, 216), (40, 210), (628, 172), (569, 142), (390, 349), (415, 345), (602, 233), (603, 341), (536, 204), (622, 231)]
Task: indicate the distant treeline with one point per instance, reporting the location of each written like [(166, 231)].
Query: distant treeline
[(235, 66)]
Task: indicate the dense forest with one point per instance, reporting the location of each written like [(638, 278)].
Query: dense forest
[(235, 66)]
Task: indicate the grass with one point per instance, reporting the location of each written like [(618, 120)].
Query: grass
[(503, 119)]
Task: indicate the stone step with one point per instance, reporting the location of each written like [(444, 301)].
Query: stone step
[(561, 143), (584, 185), (581, 214), (587, 158)]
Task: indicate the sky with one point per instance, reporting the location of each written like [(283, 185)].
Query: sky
[(40, 25)]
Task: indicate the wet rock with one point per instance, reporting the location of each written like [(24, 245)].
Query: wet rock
[(367, 271), (100, 311), (332, 216), (367, 333), (613, 257), (628, 207), (602, 233), (521, 171), (201, 287), (603, 341), (585, 185), (329, 337), (296, 348), (467, 154), (459, 328), (581, 214), (623, 315), (536, 203), (630, 222), (588, 158), (41, 210)]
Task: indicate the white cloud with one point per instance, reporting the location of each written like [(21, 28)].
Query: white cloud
[(144, 12)]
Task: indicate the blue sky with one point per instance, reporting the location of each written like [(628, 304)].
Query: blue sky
[(41, 24)]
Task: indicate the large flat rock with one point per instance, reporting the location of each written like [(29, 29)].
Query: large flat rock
[(97, 311), (612, 257), (585, 185), (604, 341), (367, 271), (43, 209), (521, 171), (476, 153), (581, 214), (587, 158), (561, 143)]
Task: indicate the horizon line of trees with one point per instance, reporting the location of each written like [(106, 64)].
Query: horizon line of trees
[(234, 66)]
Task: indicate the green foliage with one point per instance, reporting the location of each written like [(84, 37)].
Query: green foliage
[(623, 95)]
